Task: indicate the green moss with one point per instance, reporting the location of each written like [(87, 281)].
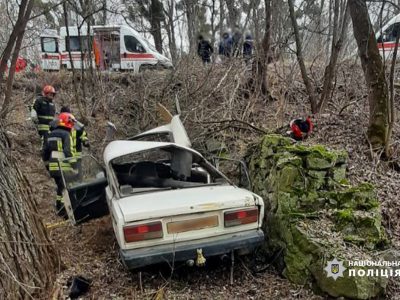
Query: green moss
[(358, 197), (311, 212), (287, 158), (345, 215), (316, 180)]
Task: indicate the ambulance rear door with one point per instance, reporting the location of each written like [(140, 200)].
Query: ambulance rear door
[(50, 55)]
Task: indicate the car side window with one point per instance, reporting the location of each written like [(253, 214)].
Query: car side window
[(133, 45)]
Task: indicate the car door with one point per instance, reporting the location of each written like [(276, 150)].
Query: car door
[(235, 169), (84, 194)]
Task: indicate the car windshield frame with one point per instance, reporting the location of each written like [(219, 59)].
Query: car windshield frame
[(198, 160)]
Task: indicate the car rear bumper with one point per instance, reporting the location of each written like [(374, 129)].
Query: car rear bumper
[(136, 258)]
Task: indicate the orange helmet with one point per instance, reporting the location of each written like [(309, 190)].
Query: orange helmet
[(48, 89), (66, 120)]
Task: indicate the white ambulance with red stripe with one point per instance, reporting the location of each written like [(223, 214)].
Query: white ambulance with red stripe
[(109, 47), (386, 38)]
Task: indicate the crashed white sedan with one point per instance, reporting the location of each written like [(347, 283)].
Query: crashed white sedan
[(167, 203)]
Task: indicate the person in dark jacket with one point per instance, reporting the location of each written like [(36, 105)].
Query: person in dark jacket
[(225, 45), (204, 49), (43, 111), (59, 146), (248, 47), (236, 43)]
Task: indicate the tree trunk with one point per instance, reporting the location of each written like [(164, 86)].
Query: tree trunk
[(374, 74), (156, 17), (300, 59), (262, 64), (6, 54), (233, 14), (191, 16), (170, 28), (330, 69), (22, 22), (27, 257)]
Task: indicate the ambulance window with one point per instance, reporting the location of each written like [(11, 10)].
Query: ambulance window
[(75, 45), (49, 45), (391, 33), (132, 44)]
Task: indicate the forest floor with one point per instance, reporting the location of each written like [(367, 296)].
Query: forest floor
[(90, 250)]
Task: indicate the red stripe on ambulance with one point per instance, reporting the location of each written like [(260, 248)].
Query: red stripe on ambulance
[(134, 56), (387, 45), (47, 56)]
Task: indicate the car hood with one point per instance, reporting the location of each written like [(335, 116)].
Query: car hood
[(183, 201)]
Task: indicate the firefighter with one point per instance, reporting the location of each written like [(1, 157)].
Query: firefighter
[(43, 112), (58, 147), (300, 128), (79, 135)]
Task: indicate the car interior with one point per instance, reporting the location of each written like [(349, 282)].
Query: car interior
[(177, 169)]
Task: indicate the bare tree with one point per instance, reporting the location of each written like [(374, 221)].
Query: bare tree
[(169, 21), (374, 73), (300, 58), (153, 12), (341, 22), (233, 13), (28, 260)]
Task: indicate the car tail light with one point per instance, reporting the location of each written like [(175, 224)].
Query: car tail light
[(241, 217), (149, 231)]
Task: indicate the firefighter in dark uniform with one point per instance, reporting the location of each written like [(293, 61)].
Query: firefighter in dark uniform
[(79, 139), (44, 111), (79, 135), (58, 147)]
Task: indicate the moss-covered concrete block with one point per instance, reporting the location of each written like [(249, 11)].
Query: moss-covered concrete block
[(313, 214)]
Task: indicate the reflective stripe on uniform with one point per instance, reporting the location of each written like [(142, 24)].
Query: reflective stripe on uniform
[(73, 133), (55, 166), (60, 198), (46, 117), (43, 127), (84, 136)]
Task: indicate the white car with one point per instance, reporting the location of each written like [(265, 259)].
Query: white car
[(167, 202)]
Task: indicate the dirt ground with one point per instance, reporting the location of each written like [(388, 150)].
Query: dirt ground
[(90, 250)]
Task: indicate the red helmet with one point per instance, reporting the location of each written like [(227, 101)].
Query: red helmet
[(48, 89), (66, 120)]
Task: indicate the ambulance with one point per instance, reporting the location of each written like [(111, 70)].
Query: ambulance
[(106, 47), (386, 38)]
